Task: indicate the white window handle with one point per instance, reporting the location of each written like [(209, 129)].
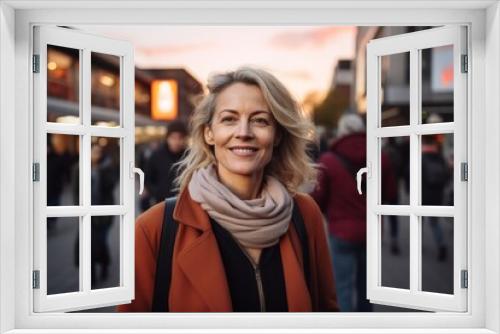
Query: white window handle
[(359, 174), (135, 170)]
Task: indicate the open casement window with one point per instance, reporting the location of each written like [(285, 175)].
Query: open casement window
[(102, 193), (399, 112)]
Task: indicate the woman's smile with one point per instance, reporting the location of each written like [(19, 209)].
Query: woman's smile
[(244, 151)]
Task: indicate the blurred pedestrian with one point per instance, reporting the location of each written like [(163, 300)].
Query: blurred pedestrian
[(104, 179), (59, 162), (236, 247), (160, 172), (435, 177), (336, 194), (400, 165)]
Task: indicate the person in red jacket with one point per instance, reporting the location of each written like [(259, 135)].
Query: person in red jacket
[(336, 194)]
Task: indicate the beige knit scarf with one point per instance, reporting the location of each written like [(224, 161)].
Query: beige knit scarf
[(254, 223)]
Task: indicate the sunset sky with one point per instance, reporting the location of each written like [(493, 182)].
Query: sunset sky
[(303, 57)]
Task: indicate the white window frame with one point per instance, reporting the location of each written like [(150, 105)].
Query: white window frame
[(16, 20), (86, 44), (413, 43)]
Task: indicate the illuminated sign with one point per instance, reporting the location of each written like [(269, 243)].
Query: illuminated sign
[(442, 69), (164, 97)]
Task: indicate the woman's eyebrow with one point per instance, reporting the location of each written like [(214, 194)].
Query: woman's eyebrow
[(260, 112), (232, 111)]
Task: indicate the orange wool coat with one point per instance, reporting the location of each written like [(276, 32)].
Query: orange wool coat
[(198, 281)]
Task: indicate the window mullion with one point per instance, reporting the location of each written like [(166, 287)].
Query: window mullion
[(85, 235), (415, 244), (419, 129), (98, 131), (127, 117)]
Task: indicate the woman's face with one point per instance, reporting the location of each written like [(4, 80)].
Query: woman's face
[(242, 132)]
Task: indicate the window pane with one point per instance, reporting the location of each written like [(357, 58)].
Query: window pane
[(437, 169), (105, 90), (395, 173), (63, 86), (63, 170), (437, 254), (437, 84), (62, 254), (105, 252), (105, 171), (396, 251), (395, 89)]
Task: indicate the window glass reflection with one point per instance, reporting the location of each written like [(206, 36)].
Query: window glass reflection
[(437, 84), (63, 254), (105, 171), (105, 252), (63, 87), (395, 251), (395, 173), (395, 89), (437, 254), (105, 89), (437, 169), (63, 169)]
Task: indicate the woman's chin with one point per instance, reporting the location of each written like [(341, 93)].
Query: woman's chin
[(246, 171)]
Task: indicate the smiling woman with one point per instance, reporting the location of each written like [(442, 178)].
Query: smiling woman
[(246, 240)]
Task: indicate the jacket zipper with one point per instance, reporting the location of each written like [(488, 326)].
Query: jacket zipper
[(260, 288), (258, 278)]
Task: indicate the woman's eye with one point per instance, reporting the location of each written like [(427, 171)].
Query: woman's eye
[(227, 119), (261, 121)]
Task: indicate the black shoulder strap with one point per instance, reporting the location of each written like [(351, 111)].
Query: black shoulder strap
[(164, 260), (298, 223)]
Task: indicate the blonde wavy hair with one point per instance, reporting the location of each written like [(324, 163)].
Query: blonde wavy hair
[(290, 163)]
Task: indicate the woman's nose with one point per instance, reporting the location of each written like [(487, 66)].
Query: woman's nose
[(244, 130)]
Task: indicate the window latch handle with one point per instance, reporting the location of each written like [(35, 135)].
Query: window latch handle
[(359, 175), (135, 170)]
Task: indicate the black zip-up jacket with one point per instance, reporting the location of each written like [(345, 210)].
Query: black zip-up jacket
[(159, 174)]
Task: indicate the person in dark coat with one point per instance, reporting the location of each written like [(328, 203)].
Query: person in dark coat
[(160, 171), (336, 194), (58, 172), (397, 149), (105, 174), (435, 177)]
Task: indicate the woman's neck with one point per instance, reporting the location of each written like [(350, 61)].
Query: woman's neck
[(244, 186)]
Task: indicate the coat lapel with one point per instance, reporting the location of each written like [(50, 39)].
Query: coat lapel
[(202, 265), (297, 294), (199, 258)]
